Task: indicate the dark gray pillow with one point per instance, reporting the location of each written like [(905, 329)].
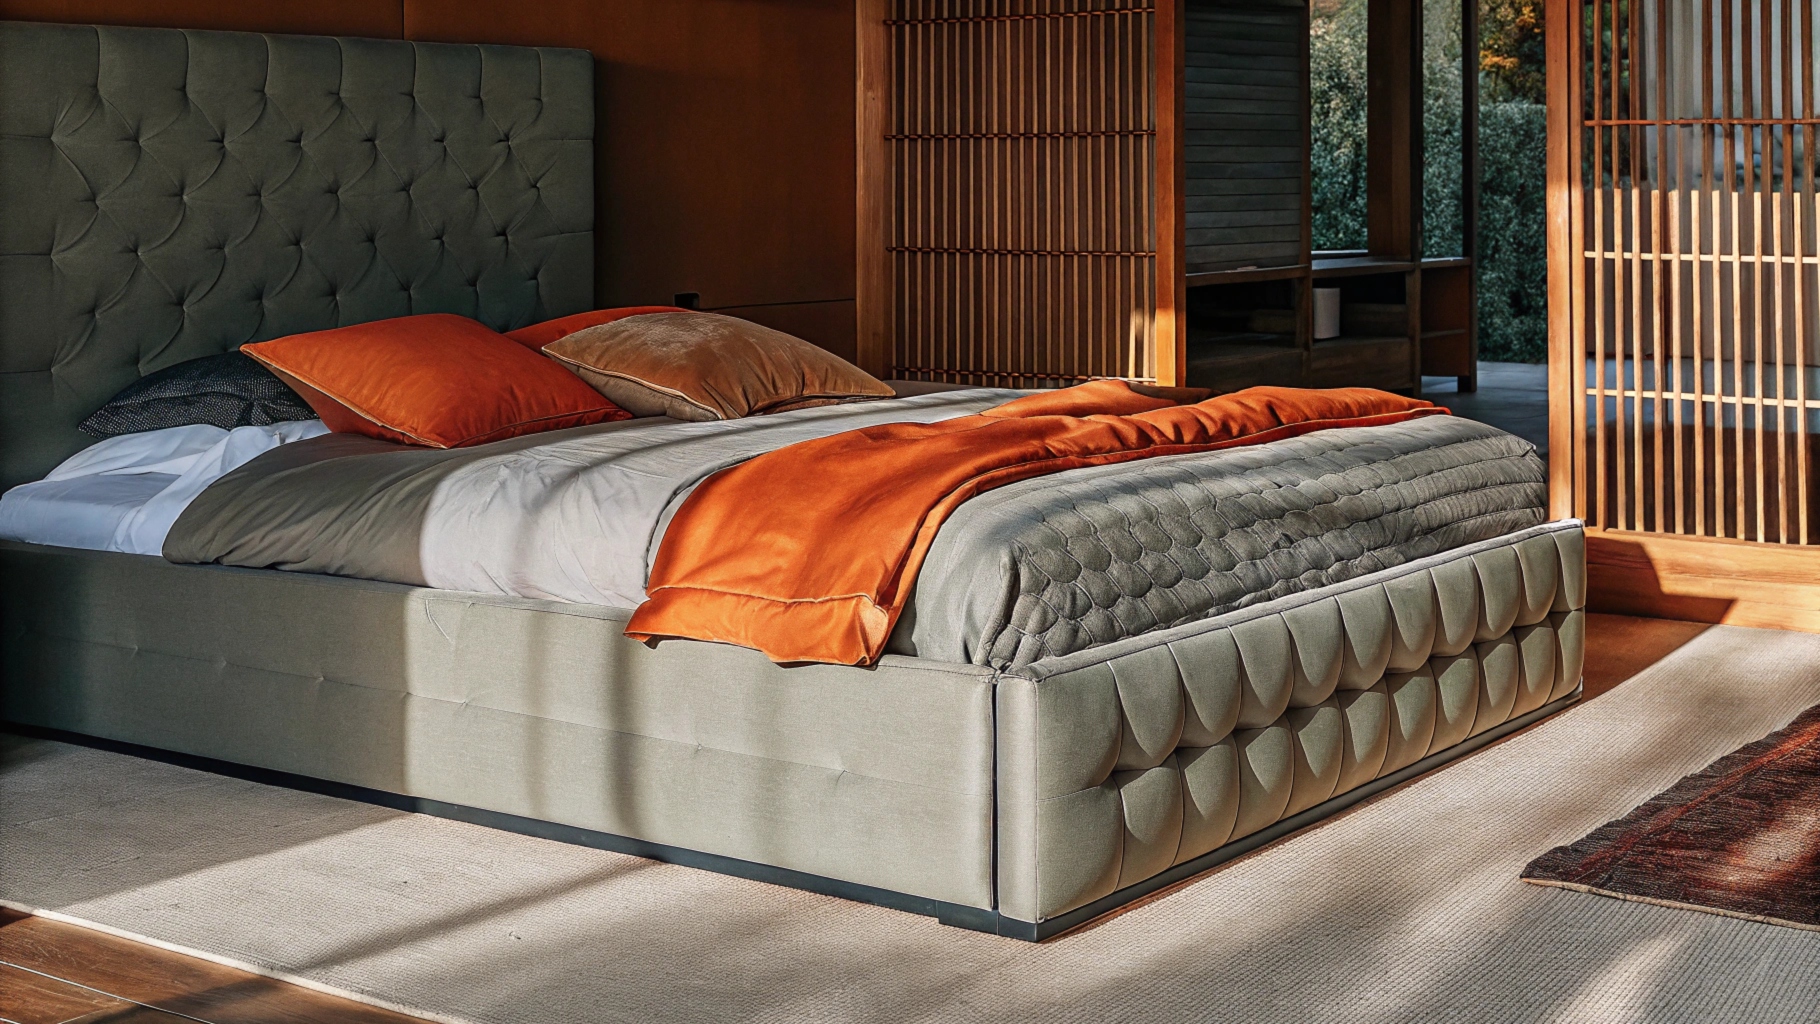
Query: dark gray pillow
[(229, 390)]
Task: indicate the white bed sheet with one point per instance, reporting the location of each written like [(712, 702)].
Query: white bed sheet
[(123, 494)]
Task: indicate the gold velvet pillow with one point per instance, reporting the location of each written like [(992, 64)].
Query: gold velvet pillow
[(704, 366)]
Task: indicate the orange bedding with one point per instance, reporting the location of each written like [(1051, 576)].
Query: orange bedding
[(808, 553)]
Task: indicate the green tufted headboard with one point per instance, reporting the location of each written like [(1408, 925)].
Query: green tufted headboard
[(170, 194)]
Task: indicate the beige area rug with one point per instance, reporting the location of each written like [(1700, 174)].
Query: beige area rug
[(1409, 909)]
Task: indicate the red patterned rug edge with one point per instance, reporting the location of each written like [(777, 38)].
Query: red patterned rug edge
[(1596, 855)]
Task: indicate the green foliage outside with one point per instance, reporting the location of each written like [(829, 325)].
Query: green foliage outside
[(1513, 239), (1512, 249), (1336, 79)]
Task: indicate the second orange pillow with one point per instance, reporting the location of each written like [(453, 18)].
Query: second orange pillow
[(437, 379)]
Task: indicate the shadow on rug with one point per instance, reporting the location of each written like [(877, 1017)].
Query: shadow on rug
[(1740, 838)]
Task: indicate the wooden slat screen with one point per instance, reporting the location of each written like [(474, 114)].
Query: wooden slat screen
[(1696, 285), (1021, 141), (1245, 132)]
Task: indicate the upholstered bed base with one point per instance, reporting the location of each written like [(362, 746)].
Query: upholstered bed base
[(1020, 803)]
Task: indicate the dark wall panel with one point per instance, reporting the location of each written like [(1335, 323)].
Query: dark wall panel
[(820, 320), (1243, 122), (726, 147)]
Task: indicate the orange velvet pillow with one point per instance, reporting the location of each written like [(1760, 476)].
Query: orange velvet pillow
[(439, 380), (537, 336)]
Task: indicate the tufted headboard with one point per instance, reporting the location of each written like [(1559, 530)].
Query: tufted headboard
[(171, 194)]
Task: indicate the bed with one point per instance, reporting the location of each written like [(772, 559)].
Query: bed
[(1024, 759)]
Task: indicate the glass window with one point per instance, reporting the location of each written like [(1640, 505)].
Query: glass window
[(1443, 95), (1336, 86)]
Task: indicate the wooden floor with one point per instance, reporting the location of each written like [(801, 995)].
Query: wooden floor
[(53, 973)]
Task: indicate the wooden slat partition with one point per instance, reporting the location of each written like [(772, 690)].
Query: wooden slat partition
[(1688, 309), (1015, 160)]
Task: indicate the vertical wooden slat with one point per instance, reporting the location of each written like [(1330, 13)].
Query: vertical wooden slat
[(1622, 276), (1803, 223), (1657, 181), (1755, 186), (1566, 264), (1705, 222), (1776, 198), (1601, 510), (1671, 191), (1735, 398), (1635, 94)]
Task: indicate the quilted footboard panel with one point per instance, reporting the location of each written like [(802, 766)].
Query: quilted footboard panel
[(1120, 762)]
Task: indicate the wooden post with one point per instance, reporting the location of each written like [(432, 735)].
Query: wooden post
[(1562, 20), (1171, 171), (1469, 182), (872, 271), (1393, 107)]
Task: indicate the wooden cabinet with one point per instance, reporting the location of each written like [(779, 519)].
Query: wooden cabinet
[(1055, 190), (1251, 271)]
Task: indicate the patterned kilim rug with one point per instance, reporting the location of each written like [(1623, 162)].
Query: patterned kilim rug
[(1740, 838)]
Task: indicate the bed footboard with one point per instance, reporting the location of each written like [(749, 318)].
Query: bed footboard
[(1127, 767)]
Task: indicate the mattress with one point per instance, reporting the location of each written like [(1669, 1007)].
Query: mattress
[(1037, 569)]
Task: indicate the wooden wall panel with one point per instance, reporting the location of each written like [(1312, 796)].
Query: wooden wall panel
[(829, 323), (1020, 190), (377, 18), (725, 128)]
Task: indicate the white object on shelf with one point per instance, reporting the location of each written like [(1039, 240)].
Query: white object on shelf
[(1326, 313)]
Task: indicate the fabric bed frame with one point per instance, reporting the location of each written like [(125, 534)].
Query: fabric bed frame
[(458, 179)]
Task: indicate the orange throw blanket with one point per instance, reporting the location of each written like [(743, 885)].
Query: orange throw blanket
[(808, 553)]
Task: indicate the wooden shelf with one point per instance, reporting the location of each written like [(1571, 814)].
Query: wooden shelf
[(1360, 339), (1355, 266), (1245, 275), (1227, 339), (1447, 263)]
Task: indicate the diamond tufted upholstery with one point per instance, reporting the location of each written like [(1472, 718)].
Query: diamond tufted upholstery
[(1120, 762), (172, 194)]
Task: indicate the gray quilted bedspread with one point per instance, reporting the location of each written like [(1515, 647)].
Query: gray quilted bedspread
[(1053, 565)]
